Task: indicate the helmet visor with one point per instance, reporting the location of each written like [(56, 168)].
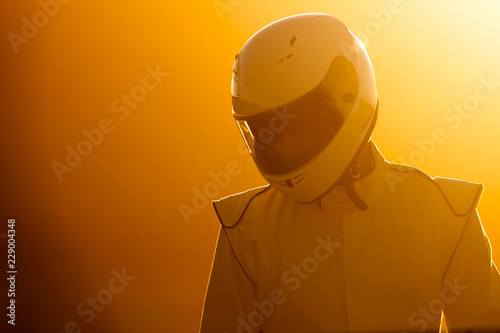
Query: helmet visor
[(285, 138)]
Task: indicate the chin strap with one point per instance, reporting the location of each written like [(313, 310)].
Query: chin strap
[(347, 179), (355, 173)]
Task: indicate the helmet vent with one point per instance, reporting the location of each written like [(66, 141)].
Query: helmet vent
[(285, 59), (289, 50), (293, 182)]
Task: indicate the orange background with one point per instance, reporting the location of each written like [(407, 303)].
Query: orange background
[(120, 206)]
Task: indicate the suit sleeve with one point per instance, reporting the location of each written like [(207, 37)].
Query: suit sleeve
[(230, 293), (471, 283)]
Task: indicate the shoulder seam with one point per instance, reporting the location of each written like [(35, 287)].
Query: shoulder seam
[(468, 211), (236, 257), (244, 210), (428, 177)]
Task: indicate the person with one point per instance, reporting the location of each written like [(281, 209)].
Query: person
[(340, 240)]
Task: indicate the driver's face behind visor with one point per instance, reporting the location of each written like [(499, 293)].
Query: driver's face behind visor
[(285, 138)]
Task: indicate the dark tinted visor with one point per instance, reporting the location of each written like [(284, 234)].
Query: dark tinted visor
[(287, 137)]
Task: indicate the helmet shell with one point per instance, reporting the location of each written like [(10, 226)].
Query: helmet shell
[(286, 60)]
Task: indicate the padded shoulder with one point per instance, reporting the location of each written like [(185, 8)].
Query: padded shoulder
[(231, 208), (461, 195)]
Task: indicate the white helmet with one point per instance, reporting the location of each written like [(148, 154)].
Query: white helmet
[(304, 98)]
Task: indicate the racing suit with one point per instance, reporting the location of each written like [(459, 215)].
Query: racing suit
[(419, 250)]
